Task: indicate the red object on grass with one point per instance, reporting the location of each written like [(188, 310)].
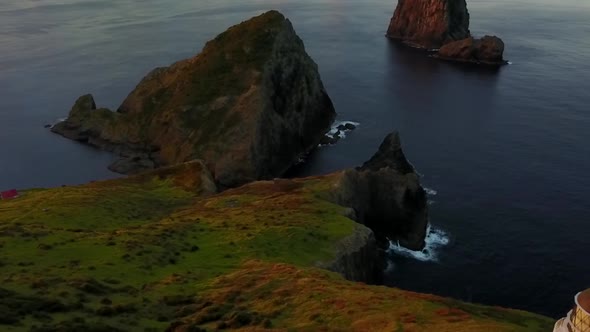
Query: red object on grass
[(9, 194)]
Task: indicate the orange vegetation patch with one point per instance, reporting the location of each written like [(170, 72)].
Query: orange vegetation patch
[(281, 296), (453, 314), (264, 188)]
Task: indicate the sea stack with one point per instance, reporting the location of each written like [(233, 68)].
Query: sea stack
[(429, 24), (249, 105), (386, 196), (443, 26)]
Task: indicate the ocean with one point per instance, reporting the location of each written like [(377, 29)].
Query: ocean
[(504, 153)]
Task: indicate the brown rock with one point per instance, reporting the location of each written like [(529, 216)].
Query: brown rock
[(487, 50), (429, 23), (461, 49), (490, 49), (249, 105)]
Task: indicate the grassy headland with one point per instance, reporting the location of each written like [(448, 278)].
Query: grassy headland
[(160, 250)]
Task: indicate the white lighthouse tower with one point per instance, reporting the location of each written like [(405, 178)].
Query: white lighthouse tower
[(578, 319)]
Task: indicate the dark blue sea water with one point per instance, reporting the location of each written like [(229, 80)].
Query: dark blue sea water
[(507, 151)]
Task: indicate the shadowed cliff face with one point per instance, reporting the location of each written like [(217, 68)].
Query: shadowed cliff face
[(358, 257), (248, 105), (429, 23), (386, 196)]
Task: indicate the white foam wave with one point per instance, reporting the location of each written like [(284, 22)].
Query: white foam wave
[(341, 133), (430, 192), (435, 239), (51, 125), (509, 62)]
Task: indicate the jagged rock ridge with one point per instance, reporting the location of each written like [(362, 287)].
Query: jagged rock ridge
[(249, 105)]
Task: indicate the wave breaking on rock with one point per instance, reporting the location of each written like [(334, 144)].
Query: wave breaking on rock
[(435, 240)]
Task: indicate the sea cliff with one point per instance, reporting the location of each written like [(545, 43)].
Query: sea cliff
[(164, 251), (386, 195)]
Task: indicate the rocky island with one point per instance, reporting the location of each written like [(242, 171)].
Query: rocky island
[(442, 26), (249, 105)]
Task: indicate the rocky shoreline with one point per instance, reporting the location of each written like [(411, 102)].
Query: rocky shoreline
[(165, 249), (337, 132), (257, 132)]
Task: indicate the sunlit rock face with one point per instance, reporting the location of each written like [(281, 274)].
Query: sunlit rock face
[(443, 26), (429, 23)]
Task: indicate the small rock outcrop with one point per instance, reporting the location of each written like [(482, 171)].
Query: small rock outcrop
[(386, 196), (443, 25), (357, 257), (249, 105), (487, 50), (339, 130), (429, 23)]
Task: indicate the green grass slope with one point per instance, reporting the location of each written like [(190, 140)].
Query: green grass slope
[(159, 251)]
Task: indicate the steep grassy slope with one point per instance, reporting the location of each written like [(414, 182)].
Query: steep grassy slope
[(161, 250), (287, 297)]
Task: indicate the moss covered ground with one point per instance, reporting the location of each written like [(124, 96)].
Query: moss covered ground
[(153, 251)]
